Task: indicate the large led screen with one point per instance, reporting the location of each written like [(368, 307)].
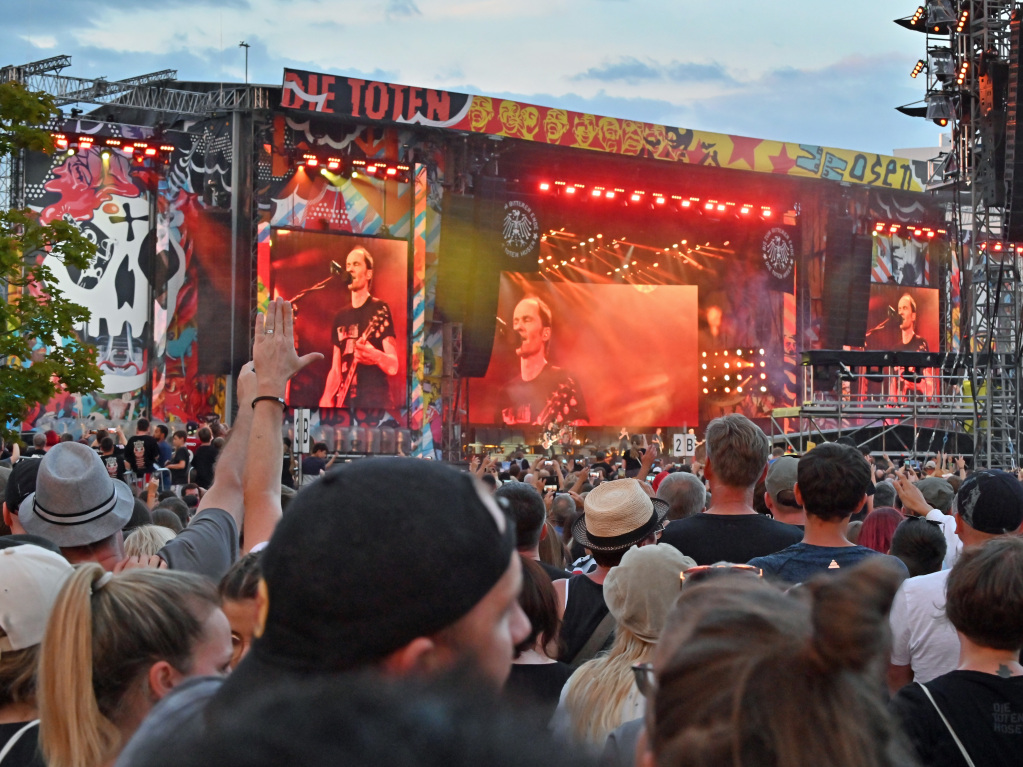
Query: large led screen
[(352, 297), (600, 355), (902, 318)]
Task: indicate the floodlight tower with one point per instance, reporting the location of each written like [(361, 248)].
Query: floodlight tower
[(973, 86)]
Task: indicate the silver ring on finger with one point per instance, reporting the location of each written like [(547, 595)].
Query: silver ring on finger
[(270, 332)]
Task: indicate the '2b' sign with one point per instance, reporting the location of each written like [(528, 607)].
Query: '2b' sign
[(683, 445)]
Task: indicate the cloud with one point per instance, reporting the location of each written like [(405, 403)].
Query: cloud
[(403, 8), (626, 68), (631, 70)]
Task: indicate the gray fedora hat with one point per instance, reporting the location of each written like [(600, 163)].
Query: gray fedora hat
[(75, 502)]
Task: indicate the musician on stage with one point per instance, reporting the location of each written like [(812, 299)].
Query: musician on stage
[(912, 381), (365, 353), (541, 395)]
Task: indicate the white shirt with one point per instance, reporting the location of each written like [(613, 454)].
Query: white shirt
[(922, 636), (953, 546)]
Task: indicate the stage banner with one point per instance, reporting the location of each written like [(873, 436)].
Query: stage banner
[(364, 99), (901, 261), (778, 246), (555, 340), (352, 299)]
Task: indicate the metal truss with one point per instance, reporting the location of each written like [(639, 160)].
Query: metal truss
[(969, 54), (194, 103)]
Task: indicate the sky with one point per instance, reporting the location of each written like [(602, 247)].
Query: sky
[(808, 71)]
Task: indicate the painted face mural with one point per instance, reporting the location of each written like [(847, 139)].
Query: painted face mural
[(112, 211)]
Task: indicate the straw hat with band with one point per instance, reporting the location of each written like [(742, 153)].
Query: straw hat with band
[(617, 515)]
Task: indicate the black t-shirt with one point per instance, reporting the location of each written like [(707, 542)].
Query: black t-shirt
[(604, 467), (114, 463), (583, 613), (143, 454), (551, 397), (179, 476), (537, 686), (915, 344), (985, 710), (313, 466), (710, 538), (555, 573), (203, 460), (369, 388), (24, 753)]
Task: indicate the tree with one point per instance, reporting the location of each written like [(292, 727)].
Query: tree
[(39, 350)]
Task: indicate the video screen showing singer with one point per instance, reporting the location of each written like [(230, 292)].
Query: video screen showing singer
[(910, 341), (541, 394), (364, 350)]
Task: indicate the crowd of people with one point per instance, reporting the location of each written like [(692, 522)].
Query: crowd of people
[(744, 608)]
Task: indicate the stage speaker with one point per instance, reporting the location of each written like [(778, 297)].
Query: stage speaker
[(1014, 135), (846, 296), (468, 280)]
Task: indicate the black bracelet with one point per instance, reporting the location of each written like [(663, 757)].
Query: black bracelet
[(279, 400)]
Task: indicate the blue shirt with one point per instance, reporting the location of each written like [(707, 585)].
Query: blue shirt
[(801, 561)]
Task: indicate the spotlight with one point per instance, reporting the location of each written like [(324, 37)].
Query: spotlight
[(544, 186), (105, 154), (917, 69)]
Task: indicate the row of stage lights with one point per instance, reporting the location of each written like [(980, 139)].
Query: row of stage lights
[(882, 228), (942, 23), (654, 199), (370, 168), (139, 151)]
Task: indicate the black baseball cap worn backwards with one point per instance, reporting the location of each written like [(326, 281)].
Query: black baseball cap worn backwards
[(373, 555)]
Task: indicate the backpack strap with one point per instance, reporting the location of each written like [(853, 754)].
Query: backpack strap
[(596, 641), (959, 743)]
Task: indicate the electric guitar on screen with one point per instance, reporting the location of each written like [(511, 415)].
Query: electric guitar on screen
[(375, 323)]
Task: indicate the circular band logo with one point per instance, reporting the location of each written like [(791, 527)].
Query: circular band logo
[(779, 253), (521, 229)]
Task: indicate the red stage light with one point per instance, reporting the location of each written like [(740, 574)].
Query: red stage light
[(930, 234), (659, 200), (310, 160), (998, 246), (609, 194), (709, 206), (635, 198), (151, 151), (544, 186), (60, 141), (392, 171), (721, 207), (371, 168), (333, 164), (569, 190), (687, 203), (917, 232), (765, 212), (745, 210), (166, 148), (596, 193)]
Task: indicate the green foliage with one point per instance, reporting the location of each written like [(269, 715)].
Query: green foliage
[(38, 350)]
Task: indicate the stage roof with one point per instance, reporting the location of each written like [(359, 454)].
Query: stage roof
[(388, 103)]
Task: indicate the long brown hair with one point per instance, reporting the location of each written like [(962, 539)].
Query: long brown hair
[(754, 677), (104, 632)]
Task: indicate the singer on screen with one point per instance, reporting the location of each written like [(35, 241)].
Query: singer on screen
[(541, 394), (910, 341), (363, 338)]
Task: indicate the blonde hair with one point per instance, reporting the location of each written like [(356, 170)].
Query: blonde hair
[(147, 540), (105, 637), (601, 690)]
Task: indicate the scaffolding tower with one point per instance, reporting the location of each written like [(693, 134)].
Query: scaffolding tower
[(972, 55)]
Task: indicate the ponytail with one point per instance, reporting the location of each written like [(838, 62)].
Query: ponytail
[(72, 731), (103, 636)]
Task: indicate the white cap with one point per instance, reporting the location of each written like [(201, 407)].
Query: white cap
[(30, 578)]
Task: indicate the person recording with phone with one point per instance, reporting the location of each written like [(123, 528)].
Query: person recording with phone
[(365, 352)]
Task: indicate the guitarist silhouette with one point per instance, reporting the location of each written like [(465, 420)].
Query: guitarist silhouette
[(365, 353)]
